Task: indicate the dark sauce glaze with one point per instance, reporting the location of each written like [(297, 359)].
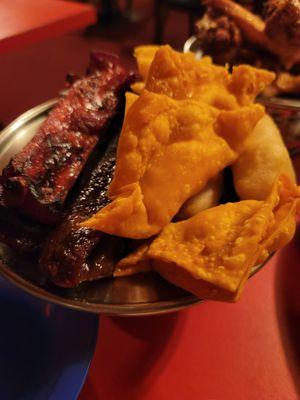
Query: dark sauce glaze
[(73, 253)]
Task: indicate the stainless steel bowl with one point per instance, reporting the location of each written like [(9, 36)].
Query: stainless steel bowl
[(142, 294)]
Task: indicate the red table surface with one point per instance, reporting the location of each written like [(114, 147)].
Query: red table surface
[(249, 350), (24, 22)]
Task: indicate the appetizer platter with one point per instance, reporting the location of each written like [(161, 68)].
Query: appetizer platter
[(142, 194)]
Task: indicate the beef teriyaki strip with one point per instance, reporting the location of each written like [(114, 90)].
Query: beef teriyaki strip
[(39, 178), (70, 254)]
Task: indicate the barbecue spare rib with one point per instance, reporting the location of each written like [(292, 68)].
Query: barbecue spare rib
[(37, 180), (72, 253)]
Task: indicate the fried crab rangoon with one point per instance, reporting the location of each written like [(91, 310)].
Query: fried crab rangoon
[(130, 99), (186, 127), (144, 56), (212, 253), (191, 120), (265, 154), (196, 140), (263, 159), (181, 76)]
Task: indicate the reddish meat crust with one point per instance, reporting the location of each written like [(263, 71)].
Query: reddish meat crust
[(39, 178)]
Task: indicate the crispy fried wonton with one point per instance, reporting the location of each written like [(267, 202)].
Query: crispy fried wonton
[(135, 262), (130, 99), (212, 253), (282, 232), (181, 76), (264, 158), (168, 150), (144, 56)]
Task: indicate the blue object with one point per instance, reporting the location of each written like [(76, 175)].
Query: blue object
[(45, 350)]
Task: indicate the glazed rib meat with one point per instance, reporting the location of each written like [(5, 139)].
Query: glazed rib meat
[(17, 233), (37, 180), (73, 254)]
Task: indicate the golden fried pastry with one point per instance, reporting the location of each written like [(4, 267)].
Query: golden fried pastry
[(135, 262), (285, 223), (191, 120), (144, 56), (138, 87), (212, 253), (130, 99), (192, 114), (247, 82), (265, 157), (218, 245), (181, 76), (167, 152)]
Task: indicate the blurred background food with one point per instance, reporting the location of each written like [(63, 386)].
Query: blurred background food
[(264, 33), (268, 38)]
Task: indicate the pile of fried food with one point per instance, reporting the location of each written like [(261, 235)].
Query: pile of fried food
[(187, 125), (263, 33)]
